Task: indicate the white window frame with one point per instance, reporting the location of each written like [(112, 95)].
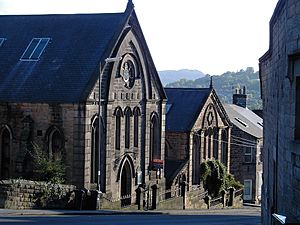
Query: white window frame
[(33, 51), (248, 154), (248, 197)]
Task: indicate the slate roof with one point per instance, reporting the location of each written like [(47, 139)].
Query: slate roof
[(184, 106), (247, 117), (70, 62), (173, 167)]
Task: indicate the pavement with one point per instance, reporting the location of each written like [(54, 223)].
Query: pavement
[(38, 212)]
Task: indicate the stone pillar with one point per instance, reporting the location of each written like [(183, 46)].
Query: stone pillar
[(203, 155), (231, 196), (140, 192), (154, 195), (228, 150), (224, 194), (207, 201), (183, 193)]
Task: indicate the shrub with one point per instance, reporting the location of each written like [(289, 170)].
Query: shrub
[(46, 169), (215, 177)]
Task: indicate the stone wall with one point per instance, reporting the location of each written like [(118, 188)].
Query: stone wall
[(281, 189), (33, 123), (24, 194), (178, 145), (195, 199), (241, 169)]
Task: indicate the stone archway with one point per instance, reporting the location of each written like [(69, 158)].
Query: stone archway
[(126, 180)]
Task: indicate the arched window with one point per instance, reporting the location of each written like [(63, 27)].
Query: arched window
[(94, 150), (6, 139), (118, 114), (56, 144), (224, 147), (136, 114), (128, 114), (216, 143), (155, 151), (209, 142), (196, 158)]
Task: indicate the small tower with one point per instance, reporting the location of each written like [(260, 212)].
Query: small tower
[(239, 97)]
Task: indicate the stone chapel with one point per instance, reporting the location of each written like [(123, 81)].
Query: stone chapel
[(84, 88)]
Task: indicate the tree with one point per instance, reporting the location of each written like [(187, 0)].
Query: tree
[(224, 83)]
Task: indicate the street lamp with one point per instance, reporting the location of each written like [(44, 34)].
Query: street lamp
[(107, 60)]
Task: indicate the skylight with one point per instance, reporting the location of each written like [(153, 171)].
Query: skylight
[(35, 49), (168, 107), (1, 41), (241, 122)]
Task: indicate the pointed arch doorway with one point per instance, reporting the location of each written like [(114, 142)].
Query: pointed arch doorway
[(126, 179)]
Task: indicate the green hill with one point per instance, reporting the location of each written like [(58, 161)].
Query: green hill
[(226, 83)]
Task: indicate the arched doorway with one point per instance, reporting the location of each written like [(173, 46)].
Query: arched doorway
[(126, 179), (5, 153)]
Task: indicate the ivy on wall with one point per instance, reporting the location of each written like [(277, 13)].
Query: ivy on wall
[(215, 178)]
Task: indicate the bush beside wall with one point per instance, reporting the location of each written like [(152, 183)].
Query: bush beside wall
[(25, 194)]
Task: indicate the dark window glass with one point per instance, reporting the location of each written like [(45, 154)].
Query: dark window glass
[(118, 130), (39, 49), (56, 145), (224, 147), (127, 127), (248, 154), (95, 151), (216, 144), (155, 150), (136, 127), (35, 48)]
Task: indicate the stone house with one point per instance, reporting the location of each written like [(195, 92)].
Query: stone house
[(49, 95), (280, 85), (197, 129), (246, 145)]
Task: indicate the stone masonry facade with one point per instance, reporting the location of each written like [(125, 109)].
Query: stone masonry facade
[(247, 167), (208, 139), (279, 84), (116, 147), (32, 123)]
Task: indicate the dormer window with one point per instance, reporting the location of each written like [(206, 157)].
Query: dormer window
[(35, 49), (2, 41)]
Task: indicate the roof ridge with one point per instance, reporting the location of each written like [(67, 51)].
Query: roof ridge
[(183, 88)]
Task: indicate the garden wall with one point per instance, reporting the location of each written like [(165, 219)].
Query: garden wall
[(24, 194)]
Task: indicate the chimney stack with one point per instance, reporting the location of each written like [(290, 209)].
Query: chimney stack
[(240, 97)]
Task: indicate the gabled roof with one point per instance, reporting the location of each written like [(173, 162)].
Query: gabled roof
[(174, 167), (245, 119), (70, 62), (183, 107)]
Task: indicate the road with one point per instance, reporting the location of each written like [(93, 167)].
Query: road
[(218, 217)]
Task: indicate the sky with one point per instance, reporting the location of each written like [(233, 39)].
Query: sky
[(213, 36)]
